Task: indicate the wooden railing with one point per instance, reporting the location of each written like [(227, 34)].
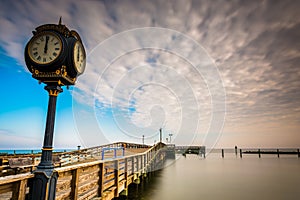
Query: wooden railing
[(60, 159), (100, 178)]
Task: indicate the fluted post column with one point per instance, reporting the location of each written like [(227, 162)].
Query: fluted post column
[(45, 179)]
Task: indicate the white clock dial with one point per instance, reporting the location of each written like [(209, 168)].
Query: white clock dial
[(45, 48), (79, 57)]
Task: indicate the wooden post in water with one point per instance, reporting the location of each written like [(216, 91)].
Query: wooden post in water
[(259, 153), (278, 153), (222, 153), (235, 149), (241, 153)]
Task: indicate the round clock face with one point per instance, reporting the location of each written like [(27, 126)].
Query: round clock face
[(45, 48), (79, 57)]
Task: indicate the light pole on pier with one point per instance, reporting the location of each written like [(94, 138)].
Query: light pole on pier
[(143, 139), (160, 135), (170, 134)]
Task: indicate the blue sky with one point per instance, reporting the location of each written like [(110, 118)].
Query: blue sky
[(213, 73)]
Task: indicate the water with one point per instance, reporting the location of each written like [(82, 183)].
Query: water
[(230, 178), (29, 151)]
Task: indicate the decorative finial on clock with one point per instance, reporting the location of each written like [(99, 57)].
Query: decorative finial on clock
[(59, 22)]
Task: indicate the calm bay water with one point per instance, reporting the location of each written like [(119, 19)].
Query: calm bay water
[(230, 178), (29, 151)]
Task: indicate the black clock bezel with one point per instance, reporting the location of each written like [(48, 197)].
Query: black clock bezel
[(58, 62)]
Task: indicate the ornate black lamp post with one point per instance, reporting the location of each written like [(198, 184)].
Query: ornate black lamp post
[(55, 56)]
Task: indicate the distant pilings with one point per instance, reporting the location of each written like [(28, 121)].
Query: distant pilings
[(277, 152), (260, 152), (235, 151)]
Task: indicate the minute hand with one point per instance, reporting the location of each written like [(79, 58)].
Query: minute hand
[(46, 45), (77, 53)]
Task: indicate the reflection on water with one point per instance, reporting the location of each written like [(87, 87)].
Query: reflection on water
[(229, 178)]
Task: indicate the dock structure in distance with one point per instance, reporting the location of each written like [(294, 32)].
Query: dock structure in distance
[(199, 150)]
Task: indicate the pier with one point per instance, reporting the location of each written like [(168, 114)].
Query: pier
[(92, 174)]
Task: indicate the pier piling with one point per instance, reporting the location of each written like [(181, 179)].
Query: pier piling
[(241, 153), (222, 153)]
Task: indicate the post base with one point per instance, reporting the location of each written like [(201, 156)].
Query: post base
[(44, 184)]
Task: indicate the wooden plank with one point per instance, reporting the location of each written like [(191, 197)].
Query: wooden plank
[(89, 194), (132, 166), (101, 179), (90, 176), (74, 184), (136, 164), (87, 186), (15, 178), (65, 174), (63, 184), (109, 194), (109, 170), (109, 177), (122, 171), (130, 179), (63, 195), (89, 169), (117, 178), (121, 186), (75, 166), (108, 184), (126, 173), (122, 177), (6, 188), (19, 190)]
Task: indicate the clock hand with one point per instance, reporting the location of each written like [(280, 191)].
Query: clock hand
[(46, 44)]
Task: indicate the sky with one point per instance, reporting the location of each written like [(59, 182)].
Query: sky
[(213, 73)]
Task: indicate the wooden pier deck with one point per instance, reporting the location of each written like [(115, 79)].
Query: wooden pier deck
[(92, 177)]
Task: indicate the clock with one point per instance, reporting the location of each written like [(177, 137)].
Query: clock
[(55, 55), (79, 57), (45, 49)]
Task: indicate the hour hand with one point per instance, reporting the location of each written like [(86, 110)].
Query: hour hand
[(46, 44)]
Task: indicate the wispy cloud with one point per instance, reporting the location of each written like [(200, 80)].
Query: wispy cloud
[(255, 45)]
